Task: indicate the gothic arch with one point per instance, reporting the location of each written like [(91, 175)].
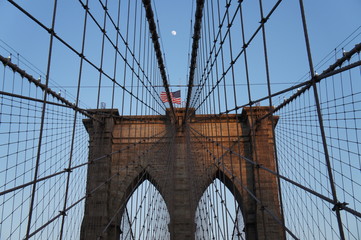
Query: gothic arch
[(137, 181), (235, 212), (225, 179), (125, 217)]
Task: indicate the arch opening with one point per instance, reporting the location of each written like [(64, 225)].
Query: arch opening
[(219, 212), (145, 215)]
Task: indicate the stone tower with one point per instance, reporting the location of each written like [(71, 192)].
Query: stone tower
[(123, 157)]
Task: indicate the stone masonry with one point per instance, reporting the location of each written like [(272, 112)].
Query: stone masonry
[(181, 160)]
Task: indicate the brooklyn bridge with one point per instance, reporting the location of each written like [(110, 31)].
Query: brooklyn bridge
[(117, 122)]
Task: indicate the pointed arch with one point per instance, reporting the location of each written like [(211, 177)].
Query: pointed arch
[(139, 178), (142, 197), (226, 180), (219, 213)]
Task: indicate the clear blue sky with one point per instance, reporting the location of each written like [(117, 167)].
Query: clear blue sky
[(329, 21)]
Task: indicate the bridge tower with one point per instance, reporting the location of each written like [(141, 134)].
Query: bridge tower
[(183, 171)]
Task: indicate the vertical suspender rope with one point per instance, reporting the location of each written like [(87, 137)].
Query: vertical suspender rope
[(74, 127), (42, 123), (126, 55), (102, 53), (229, 25), (116, 53), (263, 19)]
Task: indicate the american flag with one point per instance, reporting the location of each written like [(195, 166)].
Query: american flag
[(175, 96)]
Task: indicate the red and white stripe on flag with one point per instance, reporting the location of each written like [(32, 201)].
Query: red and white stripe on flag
[(175, 96), (163, 97)]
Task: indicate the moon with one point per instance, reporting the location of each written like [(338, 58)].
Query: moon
[(173, 33)]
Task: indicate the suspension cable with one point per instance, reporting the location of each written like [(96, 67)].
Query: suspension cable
[(157, 49), (195, 44)]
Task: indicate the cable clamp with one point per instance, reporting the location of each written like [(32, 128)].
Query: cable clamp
[(339, 206), (263, 20), (51, 31), (63, 213)]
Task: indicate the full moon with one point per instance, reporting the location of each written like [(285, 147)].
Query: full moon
[(174, 33)]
